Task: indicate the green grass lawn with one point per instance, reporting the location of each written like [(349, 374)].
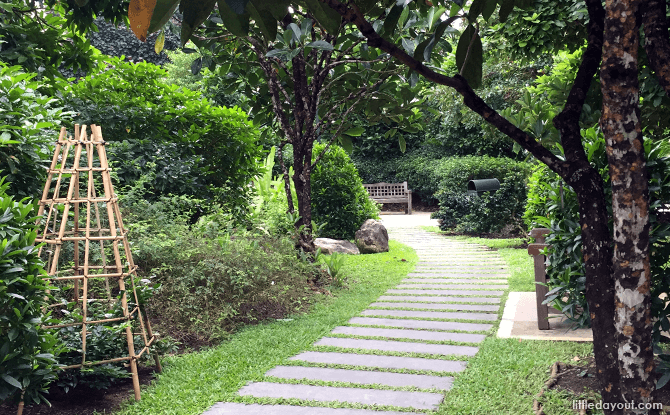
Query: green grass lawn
[(193, 382)]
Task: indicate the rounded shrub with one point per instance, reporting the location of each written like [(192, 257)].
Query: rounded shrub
[(190, 145), (339, 199)]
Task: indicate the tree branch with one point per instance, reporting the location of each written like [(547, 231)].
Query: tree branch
[(567, 122), (337, 131), (471, 100)]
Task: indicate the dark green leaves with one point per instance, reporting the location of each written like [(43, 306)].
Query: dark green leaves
[(163, 10), (195, 12), (327, 17), (506, 7), (391, 21), (265, 21), (238, 24), (237, 6), (470, 56)]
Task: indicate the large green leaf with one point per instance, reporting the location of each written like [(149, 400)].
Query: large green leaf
[(236, 6), (327, 17), (391, 21), (489, 8), (195, 12), (265, 21), (238, 24), (162, 12), (470, 68), (475, 10), (506, 7), (355, 132)]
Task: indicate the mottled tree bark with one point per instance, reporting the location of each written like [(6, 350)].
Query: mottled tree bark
[(620, 123)]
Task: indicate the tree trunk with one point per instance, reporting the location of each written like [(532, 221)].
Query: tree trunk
[(630, 202), (302, 166), (597, 253)]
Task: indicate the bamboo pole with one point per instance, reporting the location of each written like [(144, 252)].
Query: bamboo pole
[(70, 150)]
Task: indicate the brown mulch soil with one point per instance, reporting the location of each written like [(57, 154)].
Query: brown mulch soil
[(84, 401), (580, 380)]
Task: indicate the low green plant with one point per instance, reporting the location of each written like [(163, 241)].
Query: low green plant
[(339, 199), (27, 351), (333, 265), (214, 277)]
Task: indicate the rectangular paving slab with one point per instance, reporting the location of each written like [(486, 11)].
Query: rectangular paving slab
[(431, 314), (472, 307), (489, 300), (395, 346), (440, 274), (478, 281), (454, 286), (363, 377), (386, 362), (233, 408), (410, 334), (419, 324), (444, 292), (415, 400)]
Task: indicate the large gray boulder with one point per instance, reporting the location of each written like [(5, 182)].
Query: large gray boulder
[(372, 237), (328, 246)]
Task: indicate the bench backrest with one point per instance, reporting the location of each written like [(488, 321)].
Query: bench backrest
[(386, 189)]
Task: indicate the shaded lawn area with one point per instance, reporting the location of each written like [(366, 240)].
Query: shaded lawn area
[(192, 383)]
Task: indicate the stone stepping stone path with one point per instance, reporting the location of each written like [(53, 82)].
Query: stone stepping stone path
[(403, 352)]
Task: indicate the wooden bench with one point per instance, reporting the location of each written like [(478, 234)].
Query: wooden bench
[(390, 193)]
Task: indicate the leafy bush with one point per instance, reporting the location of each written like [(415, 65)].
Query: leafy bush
[(338, 197), (488, 213), (26, 350), (27, 120), (132, 102), (540, 186)]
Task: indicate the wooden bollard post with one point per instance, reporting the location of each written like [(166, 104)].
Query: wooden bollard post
[(541, 290)]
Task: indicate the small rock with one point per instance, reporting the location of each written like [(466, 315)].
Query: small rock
[(372, 237), (328, 246)]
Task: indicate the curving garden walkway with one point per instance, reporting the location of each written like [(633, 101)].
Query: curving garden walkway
[(405, 349)]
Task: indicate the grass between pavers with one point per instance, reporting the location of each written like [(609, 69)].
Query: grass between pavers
[(402, 339), (369, 368), (373, 352), (193, 382), (339, 384)]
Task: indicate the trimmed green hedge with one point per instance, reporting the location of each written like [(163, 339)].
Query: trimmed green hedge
[(473, 214)]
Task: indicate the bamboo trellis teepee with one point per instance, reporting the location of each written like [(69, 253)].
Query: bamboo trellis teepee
[(87, 253)]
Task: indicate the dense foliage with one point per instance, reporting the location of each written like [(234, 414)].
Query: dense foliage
[(480, 214), (26, 350), (565, 264), (27, 120), (190, 145), (213, 277), (339, 199)]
